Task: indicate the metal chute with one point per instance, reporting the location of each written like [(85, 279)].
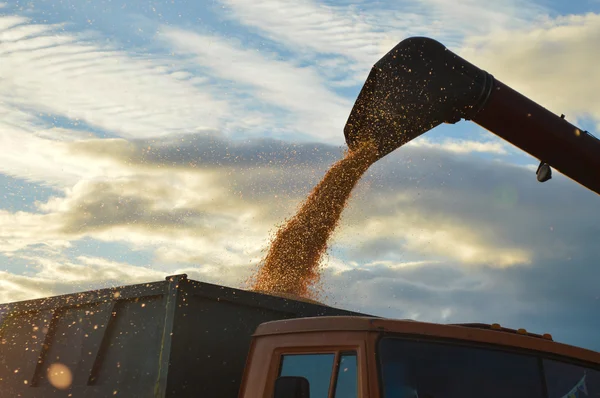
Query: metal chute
[(420, 84)]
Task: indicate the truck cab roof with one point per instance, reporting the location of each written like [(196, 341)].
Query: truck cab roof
[(482, 334)]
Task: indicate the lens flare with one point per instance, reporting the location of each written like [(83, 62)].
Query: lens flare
[(60, 376)]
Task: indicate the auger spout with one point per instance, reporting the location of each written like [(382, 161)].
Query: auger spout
[(420, 84)]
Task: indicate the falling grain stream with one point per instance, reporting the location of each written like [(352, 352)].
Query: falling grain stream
[(292, 264)]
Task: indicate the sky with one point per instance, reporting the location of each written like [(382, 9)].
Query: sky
[(148, 138)]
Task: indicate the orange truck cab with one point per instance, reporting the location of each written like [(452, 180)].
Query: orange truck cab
[(359, 357)]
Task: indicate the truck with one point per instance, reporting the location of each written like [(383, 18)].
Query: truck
[(183, 338)]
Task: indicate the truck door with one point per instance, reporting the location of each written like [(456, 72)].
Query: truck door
[(328, 364)]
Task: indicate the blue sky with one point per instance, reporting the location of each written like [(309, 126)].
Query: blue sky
[(142, 139)]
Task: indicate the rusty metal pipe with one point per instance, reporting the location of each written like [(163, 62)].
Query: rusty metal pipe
[(420, 84)]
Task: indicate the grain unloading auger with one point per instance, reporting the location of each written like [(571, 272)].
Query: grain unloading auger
[(420, 84)]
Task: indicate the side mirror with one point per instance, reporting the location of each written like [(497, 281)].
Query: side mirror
[(291, 387)]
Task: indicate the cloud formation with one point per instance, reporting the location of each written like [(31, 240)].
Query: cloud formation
[(423, 203), (157, 152), (57, 73), (87, 273), (552, 62), (354, 37), (313, 109)]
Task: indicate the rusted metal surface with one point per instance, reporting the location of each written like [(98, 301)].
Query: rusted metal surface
[(177, 338)]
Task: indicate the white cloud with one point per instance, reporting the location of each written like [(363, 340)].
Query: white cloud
[(432, 236), (53, 72), (44, 156), (185, 215), (91, 270), (22, 31), (314, 109), (462, 146), (55, 274), (196, 215), (395, 265), (8, 21), (308, 25), (469, 18), (364, 32), (552, 62), (21, 230)]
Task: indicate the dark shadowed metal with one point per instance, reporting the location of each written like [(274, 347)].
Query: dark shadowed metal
[(420, 84), (178, 338)]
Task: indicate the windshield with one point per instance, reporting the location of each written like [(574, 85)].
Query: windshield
[(437, 370)]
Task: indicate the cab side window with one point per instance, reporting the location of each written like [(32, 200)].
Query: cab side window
[(318, 369), (346, 385)]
